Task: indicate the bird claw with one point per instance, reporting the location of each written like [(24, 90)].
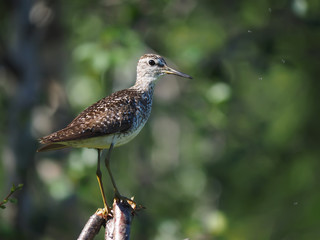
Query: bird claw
[(123, 199), (104, 212)]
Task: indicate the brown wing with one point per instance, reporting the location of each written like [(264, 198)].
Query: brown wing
[(112, 114)]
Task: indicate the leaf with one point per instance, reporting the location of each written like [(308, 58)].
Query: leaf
[(13, 188), (20, 186), (13, 200), (2, 206)]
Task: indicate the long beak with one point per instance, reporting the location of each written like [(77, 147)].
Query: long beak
[(169, 70)]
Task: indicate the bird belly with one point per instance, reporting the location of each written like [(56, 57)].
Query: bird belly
[(100, 142), (104, 142), (124, 138)]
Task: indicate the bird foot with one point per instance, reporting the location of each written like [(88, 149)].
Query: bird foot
[(123, 199), (104, 212), (128, 201)]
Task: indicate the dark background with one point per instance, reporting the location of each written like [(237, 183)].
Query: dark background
[(231, 154)]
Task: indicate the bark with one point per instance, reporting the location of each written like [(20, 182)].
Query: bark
[(92, 227), (118, 228), (117, 223)]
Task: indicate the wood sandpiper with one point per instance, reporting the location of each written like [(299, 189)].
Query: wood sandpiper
[(115, 119)]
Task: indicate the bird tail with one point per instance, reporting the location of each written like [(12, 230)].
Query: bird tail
[(51, 146)]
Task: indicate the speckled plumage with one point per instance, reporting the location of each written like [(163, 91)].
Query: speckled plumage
[(115, 119)]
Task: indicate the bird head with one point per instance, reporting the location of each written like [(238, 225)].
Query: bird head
[(151, 66)]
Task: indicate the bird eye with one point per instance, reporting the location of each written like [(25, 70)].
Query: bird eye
[(152, 62)]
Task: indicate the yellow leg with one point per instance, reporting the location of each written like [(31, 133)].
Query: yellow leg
[(116, 191), (99, 177), (107, 163)]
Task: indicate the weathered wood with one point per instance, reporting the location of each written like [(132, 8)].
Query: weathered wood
[(118, 228), (92, 227), (117, 223)]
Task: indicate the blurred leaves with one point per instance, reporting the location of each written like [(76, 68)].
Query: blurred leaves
[(9, 197), (231, 154)]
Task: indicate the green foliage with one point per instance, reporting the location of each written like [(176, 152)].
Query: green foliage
[(9, 197), (231, 154)]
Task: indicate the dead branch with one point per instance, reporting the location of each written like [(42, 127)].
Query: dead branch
[(92, 227), (117, 224), (118, 228)]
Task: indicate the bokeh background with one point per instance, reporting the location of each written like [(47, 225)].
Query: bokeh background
[(231, 154)]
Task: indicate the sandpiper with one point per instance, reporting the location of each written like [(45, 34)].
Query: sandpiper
[(115, 119)]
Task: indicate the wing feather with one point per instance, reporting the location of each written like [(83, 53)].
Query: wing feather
[(113, 114)]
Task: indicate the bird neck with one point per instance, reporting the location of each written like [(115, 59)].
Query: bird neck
[(145, 84)]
